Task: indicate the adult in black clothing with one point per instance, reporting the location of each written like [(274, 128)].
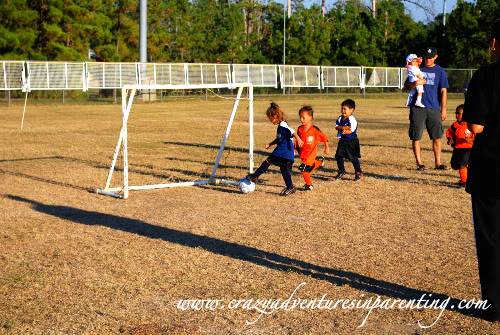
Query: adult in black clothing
[(482, 113)]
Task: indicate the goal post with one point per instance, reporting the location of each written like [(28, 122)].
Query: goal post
[(128, 94)]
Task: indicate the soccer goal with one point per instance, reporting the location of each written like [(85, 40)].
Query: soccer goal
[(128, 94)]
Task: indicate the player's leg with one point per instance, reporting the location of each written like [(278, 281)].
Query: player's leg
[(462, 172), (262, 169), (307, 180), (358, 173), (485, 213), (417, 124), (435, 130), (340, 167), (286, 168), (420, 92)]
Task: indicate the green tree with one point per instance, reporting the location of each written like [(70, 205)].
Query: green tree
[(17, 30)]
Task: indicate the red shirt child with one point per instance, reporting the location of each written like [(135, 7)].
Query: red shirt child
[(311, 136), (461, 139)]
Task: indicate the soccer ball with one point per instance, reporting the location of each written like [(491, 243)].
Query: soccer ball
[(246, 185)]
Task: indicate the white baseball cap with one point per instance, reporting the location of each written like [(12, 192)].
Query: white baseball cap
[(411, 57)]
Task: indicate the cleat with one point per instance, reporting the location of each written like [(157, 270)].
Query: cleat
[(421, 167), (308, 187), (339, 175), (288, 191)]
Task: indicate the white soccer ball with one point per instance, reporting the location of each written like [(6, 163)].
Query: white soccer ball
[(246, 186)]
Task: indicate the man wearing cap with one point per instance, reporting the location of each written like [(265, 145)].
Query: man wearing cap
[(482, 114), (433, 114)]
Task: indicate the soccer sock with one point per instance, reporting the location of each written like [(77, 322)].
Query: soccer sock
[(307, 175), (317, 164), (463, 174), (287, 176), (262, 168), (307, 178), (356, 164), (340, 164)]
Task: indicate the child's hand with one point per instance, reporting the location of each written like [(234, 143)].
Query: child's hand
[(300, 143), (346, 130), (267, 146)]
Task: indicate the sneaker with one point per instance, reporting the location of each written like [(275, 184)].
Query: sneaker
[(339, 175), (288, 191), (421, 167), (358, 176), (441, 167), (322, 160), (308, 187), (419, 104)]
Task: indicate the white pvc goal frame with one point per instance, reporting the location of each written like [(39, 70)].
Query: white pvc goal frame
[(128, 94)]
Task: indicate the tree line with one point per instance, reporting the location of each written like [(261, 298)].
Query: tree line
[(242, 31)]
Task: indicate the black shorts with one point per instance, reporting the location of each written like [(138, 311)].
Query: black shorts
[(427, 118), (348, 149), (280, 162), (460, 158)]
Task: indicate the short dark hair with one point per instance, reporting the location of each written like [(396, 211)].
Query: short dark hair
[(460, 107), (495, 30), (349, 103), (307, 109)]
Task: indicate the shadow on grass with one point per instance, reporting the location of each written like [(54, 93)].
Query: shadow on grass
[(240, 252), (145, 170)]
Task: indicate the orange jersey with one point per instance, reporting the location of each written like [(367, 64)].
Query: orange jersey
[(311, 138), (461, 136)]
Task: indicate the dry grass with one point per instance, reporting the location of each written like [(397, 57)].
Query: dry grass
[(75, 262)]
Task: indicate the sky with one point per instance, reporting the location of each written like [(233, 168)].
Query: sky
[(417, 13)]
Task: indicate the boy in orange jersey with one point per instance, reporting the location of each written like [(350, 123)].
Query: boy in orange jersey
[(311, 136), (461, 139)]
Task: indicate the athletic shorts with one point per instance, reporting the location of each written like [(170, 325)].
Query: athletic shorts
[(460, 158), (348, 149), (280, 161), (425, 118)]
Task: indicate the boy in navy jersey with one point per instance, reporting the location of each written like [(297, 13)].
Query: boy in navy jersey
[(283, 155), (348, 146)]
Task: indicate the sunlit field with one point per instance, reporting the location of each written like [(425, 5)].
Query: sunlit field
[(75, 262)]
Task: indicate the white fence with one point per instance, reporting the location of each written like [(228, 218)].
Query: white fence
[(38, 75), (345, 76), (300, 76)]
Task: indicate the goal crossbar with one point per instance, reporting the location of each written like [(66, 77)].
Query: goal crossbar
[(128, 94)]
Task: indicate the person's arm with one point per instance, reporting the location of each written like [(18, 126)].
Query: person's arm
[(449, 136), (324, 139), (273, 142), (326, 149), (475, 128), (477, 101), (347, 130), (444, 101), (298, 140), (352, 128), (410, 86)]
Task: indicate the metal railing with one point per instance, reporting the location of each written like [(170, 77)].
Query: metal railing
[(38, 75)]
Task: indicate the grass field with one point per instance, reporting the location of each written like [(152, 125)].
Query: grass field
[(74, 262)]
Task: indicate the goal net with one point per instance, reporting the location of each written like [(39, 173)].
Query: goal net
[(129, 92)]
